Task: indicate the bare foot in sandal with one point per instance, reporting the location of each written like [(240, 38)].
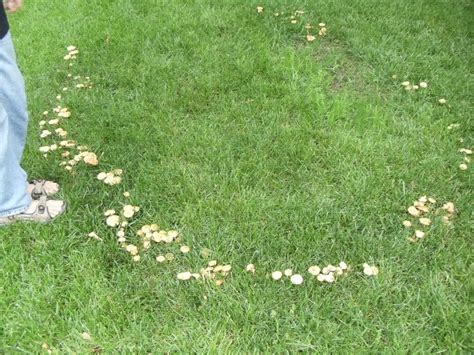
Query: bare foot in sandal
[(41, 211), (39, 188)]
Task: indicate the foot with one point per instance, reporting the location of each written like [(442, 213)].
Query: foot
[(39, 188), (41, 211)]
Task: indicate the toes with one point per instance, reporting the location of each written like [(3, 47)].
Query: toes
[(47, 187), (51, 187), (55, 207)]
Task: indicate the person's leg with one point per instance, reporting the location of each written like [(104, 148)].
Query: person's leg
[(14, 198), (13, 95), (16, 203)]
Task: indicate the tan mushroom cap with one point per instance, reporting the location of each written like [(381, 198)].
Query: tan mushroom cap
[(425, 221), (412, 210), (113, 220)]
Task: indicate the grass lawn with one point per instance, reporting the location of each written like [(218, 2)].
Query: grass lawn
[(262, 147)]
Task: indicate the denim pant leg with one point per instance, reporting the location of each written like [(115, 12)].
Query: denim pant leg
[(13, 125)]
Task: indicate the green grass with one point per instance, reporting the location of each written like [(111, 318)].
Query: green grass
[(264, 148)]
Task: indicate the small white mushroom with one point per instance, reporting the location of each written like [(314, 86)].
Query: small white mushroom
[(132, 249), (314, 270), (212, 263), (183, 276), (370, 270), (296, 279), (86, 336), (277, 275), (250, 268), (414, 211), (419, 234), (113, 220), (101, 176), (128, 211), (330, 277), (449, 206), (226, 268), (425, 221)]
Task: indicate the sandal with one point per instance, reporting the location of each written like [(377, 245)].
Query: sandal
[(39, 188), (41, 211)]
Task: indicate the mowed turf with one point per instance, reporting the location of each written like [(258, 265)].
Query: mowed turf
[(263, 148)]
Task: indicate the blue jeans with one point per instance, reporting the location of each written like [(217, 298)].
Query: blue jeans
[(14, 198)]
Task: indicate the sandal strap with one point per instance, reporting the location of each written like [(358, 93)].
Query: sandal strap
[(42, 208), (40, 214), (38, 189)]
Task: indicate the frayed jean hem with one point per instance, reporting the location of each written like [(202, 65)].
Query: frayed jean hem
[(14, 211)]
